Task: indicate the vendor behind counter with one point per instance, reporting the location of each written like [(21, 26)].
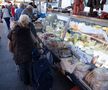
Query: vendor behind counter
[(95, 4)]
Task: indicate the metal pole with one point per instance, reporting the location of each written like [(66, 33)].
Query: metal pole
[(60, 3), (39, 5)]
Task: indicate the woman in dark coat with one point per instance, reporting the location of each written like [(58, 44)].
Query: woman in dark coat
[(22, 47), (102, 4), (93, 4)]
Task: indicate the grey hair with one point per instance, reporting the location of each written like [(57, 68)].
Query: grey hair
[(22, 5), (24, 20), (29, 7)]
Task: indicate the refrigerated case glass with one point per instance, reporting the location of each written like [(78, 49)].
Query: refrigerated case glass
[(90, 40), (89, 46), (55, 24)]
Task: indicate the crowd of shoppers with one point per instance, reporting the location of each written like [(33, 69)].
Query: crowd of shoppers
[(78, 6), (21, 41), (34, 71), (11, 12), (8, 12)]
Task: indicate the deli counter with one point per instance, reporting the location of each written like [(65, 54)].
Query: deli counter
[(81, 46)]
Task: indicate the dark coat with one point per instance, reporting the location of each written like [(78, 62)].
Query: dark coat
[(103, 2), (93, 3), (28, 12), (23, 44)]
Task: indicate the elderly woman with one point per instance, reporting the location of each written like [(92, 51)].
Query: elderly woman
[(28, 11), (22, 47)]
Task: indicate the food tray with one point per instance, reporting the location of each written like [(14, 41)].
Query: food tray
[(38, 25)]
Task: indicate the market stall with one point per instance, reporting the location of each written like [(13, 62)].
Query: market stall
[(82, 48)]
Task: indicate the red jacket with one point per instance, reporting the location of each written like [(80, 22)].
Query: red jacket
[(13, 11), (77, 2)]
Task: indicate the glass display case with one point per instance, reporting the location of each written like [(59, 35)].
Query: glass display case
[(91, 39), (54, 27), (88, 43), (55, 24)]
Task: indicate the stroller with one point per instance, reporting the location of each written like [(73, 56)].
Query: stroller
[(41, 69)]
